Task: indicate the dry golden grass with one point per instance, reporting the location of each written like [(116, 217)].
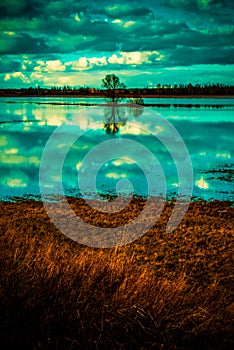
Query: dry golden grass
[(164, 291)]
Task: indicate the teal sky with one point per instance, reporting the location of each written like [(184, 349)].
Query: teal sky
[(66, 42)]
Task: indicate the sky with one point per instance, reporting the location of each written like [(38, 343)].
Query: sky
[(145, 43)]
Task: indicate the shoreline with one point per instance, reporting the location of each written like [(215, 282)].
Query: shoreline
[(125, 96), (108, 198)]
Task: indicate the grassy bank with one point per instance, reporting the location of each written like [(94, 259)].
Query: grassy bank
[(163, 291)]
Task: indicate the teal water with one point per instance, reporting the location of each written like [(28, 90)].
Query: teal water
[(26, 124)]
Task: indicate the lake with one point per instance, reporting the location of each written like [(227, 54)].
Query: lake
[(100, 151)]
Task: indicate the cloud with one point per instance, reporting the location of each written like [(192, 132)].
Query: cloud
[(112, 25), (126, 10), (27, 65), (9, 65), (201, 5), (136, 77), (14, 7), (204, 4), (135, 58), (50, 66), (15, 43), (81, 64), (177, 3), (49, 41), (17, 75)]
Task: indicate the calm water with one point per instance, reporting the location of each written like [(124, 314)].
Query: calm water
[(27, 124)]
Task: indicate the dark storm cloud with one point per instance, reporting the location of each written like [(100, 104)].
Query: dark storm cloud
[(126, 10), (13, 8), (195, 39), (183, 32), (211, 11), (36, 8), (68, 26), (22, 43), (200, 5), (187, 56)]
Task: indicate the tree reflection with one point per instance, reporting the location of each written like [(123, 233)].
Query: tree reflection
[(117, 116), (137, 108)]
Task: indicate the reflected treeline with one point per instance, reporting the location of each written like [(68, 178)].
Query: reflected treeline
[(116, 117), (189, 105)]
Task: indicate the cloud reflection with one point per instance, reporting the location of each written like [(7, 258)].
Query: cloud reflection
[(22, 144), (201, 183)]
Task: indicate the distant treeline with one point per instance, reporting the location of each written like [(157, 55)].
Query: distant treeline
[(160, 90)]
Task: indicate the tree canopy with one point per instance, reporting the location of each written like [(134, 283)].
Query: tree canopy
[(113, 86)]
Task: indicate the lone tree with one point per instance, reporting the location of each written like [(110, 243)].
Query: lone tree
[(112, 85)]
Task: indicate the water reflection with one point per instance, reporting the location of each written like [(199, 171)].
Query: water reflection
[(25, 129), (115, 119)]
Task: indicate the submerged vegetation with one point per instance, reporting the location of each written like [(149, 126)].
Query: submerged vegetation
[(163, 291)]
